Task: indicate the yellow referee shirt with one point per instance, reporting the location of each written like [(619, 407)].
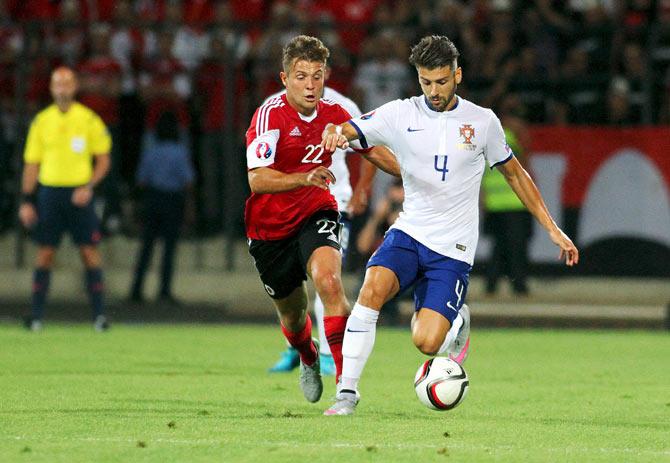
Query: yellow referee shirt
[(63, 144)]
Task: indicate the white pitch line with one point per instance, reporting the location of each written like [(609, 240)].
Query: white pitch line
[(349, 445)]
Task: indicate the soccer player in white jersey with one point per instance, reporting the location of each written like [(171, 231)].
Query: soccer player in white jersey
[(348, 204), (442, 143)]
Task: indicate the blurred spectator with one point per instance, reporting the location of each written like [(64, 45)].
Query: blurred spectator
[(382, 77), (164, 83), (353, 16), (596, 33), (100, 89), (632, 66), (199, 12), (619, 110), (190, 40), (165, 174), (542, 39), (506, 218), (11, 45), (581, 90), (210, 101), (126, 44), (282, 27), (635, 17), (68, 37), (236, 40)]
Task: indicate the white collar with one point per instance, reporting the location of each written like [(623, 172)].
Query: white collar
[(309, 118)]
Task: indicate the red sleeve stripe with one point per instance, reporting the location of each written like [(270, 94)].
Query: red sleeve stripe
[(264, 115)]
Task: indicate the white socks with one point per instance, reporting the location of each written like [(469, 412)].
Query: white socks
[(324, 348), (451, 334), (359, 338)]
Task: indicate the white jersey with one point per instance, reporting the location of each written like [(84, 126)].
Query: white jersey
[(341, 190), (442, 156)]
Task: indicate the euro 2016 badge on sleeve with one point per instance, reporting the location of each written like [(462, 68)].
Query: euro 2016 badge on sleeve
[(263, 150)]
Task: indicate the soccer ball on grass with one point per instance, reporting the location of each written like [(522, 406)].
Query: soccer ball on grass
[(441, 383)]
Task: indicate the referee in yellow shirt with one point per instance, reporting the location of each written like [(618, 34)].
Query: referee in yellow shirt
[(67, 154)]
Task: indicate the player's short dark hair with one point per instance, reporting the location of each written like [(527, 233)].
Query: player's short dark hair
[(304, 47), (434, 51)]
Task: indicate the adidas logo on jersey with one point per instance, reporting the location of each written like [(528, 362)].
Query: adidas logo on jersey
[(295, 132)]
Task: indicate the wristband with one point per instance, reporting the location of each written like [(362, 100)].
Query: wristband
[(30, 198)]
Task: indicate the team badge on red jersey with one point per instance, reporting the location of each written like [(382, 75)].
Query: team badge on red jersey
[(263, 150)]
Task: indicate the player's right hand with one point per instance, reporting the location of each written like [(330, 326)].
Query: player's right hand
[(319, 177), (332, 138), (569, 251), (27, 215)]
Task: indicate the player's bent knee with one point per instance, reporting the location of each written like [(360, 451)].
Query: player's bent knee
[(427, 344), (328, 285)]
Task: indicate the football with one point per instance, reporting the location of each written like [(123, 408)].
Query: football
[(441, 383)]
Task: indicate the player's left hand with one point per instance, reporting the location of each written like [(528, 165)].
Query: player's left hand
[(569, 251), (82, 195), (332, 138), (320, 177)]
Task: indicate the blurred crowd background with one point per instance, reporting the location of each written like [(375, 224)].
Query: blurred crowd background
[(212, 62)]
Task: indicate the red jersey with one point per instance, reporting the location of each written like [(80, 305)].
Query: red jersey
[(284, 140), (99, 73)]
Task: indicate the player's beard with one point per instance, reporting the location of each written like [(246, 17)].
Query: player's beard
[(444, 102)]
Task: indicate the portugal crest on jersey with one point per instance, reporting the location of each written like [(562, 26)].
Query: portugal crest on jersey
[(468, 133), (263, 150)]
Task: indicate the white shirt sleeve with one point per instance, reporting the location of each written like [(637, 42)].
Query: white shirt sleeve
[(262, 150), (496, 151), (378, 126)]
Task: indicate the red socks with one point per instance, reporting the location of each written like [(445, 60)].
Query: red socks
[(334, 327), (302, 342)]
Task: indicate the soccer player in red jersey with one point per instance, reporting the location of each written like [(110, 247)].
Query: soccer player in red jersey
[(291, 217)]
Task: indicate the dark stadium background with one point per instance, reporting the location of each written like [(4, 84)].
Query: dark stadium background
[(590, 78)]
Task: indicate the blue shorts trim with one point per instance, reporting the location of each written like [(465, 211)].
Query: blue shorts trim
[(440, 282), (56, 214)]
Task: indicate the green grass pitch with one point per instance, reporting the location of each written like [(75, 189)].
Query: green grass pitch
[(191, 393)]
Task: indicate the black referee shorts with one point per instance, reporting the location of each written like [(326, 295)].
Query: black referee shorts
[(282, 264), (56, 215)]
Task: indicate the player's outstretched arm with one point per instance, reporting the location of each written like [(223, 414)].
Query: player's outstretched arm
[(525, 189), (268, 180), (338, 136)]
